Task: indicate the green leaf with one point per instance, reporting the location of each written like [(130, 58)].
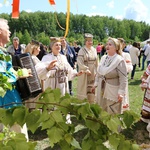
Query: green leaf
[(55, 135), (96, 110), (63, 126), (104, 116), (99, 145), (75, 143), (113, 124), (19, 143), (65, 146), (87, 144), (8, 58), (2, 92), (92, 125), (114, 141), (124, 145), (66, 104), (135, 147), (128, 118), (6, 116), (48, 124), (84, 110), (48, 97), (7, 148), (57, 116), (44, 116), (57, 94), (19, 115), (1, 136), (32, 120), (68, 138)]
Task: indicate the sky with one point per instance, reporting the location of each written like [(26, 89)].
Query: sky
[(137, 10)]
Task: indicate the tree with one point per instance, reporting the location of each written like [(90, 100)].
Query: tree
[(26, 37), (97, 128)]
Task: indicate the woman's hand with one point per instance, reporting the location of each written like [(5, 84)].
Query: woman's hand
[(79, 73), (93, 89), (120, 98), (88, 72), (51, 65)]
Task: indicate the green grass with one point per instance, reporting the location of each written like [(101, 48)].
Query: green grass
[(135, 92)]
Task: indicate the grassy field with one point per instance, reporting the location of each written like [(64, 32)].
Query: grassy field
[(135, 92)]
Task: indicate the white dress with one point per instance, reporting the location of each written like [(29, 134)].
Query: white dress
[(129, 67), (57, 77)]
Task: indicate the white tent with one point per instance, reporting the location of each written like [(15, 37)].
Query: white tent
[(144, 42)]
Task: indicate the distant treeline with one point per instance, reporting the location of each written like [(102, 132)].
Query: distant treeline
[(41, 25)]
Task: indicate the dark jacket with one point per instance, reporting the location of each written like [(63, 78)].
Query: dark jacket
[(71, 55)]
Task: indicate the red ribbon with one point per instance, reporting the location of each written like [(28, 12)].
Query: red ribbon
[(15, 9), (52, 2)]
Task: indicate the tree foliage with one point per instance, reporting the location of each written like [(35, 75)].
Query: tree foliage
[(53, 24), (87, 128)]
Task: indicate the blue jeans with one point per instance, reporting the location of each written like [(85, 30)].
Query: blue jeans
[(143, 61)]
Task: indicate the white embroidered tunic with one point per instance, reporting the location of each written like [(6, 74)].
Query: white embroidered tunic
[(57, 77)]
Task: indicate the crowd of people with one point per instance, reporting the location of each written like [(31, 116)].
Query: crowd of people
[(102, 72)]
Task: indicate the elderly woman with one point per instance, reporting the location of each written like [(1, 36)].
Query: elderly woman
[(58, 75), (111, 79), (88, 62)]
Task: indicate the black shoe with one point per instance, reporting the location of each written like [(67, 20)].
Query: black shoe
[(71, 93)]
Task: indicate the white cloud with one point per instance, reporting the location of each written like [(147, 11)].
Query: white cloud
[(120, 17), (136, 10), (28, 10), (1, 5), (7, 3), (110, 4), (93, 7)]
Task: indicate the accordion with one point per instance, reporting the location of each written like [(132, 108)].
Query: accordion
[(30, 86)]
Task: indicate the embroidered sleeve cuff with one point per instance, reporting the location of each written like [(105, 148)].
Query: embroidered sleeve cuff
[(121, 92)]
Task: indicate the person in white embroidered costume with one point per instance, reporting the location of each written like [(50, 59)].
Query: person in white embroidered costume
[(87, 61), (145, 85), (111, 79), (129, 66), (61, 72), (33, 48)]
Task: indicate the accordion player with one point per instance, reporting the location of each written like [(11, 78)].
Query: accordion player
[(30, 86)]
